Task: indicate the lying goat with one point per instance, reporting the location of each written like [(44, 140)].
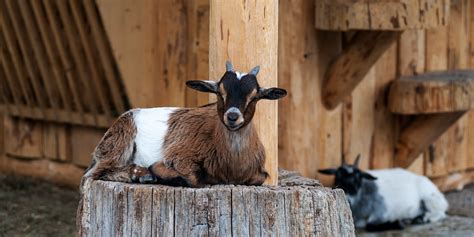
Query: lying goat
[(389, 198), (213, 144)]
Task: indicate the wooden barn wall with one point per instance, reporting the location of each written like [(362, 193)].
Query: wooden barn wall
[(158, 45), (312, 137)]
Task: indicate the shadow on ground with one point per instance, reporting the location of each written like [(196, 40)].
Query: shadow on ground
[(34, 208)]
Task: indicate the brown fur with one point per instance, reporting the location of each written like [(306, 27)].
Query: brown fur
[(113, 157), (199, 148)]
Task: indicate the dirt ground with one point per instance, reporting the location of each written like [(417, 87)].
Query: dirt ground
[(36, 208)]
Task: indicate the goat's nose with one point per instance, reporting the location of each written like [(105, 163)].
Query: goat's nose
[(232, 117)]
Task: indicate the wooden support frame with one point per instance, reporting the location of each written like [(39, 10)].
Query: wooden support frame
[(420, 133), (246, 32), (378, 25), (437, 100), (348, 70)]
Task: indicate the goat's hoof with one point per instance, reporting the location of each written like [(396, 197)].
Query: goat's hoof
[(147, 179)]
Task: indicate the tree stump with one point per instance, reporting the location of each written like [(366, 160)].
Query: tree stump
[(297, 207)]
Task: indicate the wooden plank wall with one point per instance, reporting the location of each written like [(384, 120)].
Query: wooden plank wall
[(159, 45), (312, 137), (157, 49)]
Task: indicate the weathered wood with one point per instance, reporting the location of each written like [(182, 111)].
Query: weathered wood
[(358, 115), (385, 124), (411, 61), (458, 58), (25, 138), (434, 92), (198, 49), (354, 63), (62, 116), (57, 172), (454, 181), (246, 32), (380, 14), (56, 143), (305, 128), (83, 141), (148, 38), (292, 209), (420, 133), (436, 156)]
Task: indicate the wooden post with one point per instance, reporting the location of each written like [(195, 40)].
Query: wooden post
[(246, 32)]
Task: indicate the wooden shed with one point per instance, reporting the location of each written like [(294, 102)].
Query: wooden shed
[(68, 68)]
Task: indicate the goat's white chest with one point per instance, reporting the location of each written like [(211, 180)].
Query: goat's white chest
[(152, 126)]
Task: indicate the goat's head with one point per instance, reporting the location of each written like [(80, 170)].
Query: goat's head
[(349, 177), (237, 95)]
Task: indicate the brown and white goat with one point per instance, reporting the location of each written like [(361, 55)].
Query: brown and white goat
[(213, 144)]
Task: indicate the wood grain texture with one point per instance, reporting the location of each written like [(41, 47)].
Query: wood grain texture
[(50, 65), (25, 138), (309, 135), (109, 208), (198, 49), (470, 128), (57, 172), (434, 92), (458, 53), (380, 15), (83, 141), (420, 133), (437, 60), (246, 32), (454, 181), (148, 40), (56, 143), (411, 61), (383, 140), (348, 70)]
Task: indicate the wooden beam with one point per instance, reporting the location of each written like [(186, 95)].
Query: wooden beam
[(420, 133), (352, 65), (380, 15), (60, 116), (434, 92), (246, 32)]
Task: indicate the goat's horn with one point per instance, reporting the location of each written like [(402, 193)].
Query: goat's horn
[(356, 162), (255, 70), (343, 159), (228, 66)]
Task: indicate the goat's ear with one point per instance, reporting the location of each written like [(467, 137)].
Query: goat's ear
[(272, 93), (328, 171), (368, 176), (203, 86)]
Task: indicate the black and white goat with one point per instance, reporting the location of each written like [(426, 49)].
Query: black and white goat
[(212, 144), (388, 198)]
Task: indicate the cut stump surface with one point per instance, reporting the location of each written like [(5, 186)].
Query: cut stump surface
[(297, 207)]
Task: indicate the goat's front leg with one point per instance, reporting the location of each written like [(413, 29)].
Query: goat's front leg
[(178, 173), (258, 179), (142, 175)]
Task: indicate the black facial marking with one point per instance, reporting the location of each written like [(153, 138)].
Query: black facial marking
[(237, 90)]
